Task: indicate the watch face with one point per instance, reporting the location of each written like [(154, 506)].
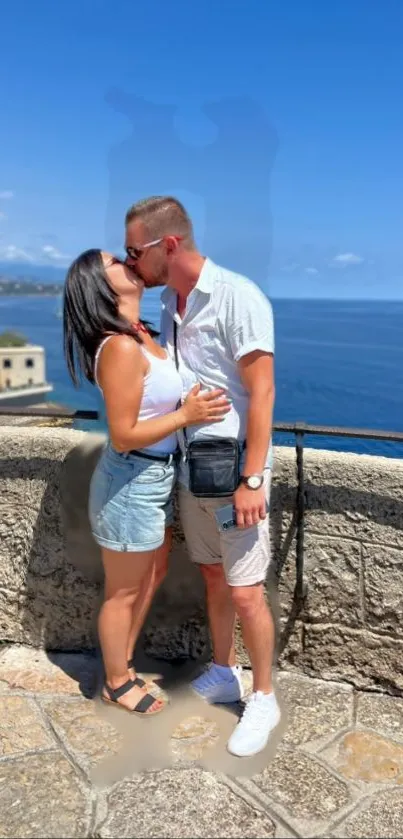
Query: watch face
[(254, 482)]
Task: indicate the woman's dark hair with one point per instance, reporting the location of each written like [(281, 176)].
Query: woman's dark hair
[(90, 311)]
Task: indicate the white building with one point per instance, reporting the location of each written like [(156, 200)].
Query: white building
[(23, 375)]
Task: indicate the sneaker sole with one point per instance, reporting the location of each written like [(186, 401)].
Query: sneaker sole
[(250, 754), (232, 701), (256, 751)]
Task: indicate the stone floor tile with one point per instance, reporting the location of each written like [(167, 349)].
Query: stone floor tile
[(192, 737), (316, 710), (21, 726), (381, 713), (22, 668), (40, 795), (87, 736), (178, 804), (308, 793), (368, 757), (381, 816)]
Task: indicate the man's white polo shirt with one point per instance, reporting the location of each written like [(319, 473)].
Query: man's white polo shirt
[(227, 316)]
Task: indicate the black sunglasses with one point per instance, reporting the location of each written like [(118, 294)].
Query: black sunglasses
[(136, 253)]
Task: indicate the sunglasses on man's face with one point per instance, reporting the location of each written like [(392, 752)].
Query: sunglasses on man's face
[(136, 253)]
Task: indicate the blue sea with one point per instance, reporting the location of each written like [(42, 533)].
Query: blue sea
[(338, 363)]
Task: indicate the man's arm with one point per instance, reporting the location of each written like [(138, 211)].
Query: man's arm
[(250, 329), (256, 370)]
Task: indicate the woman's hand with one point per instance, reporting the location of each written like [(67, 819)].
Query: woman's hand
[(204, 406)]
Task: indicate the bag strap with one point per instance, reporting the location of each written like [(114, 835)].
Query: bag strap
[(176, 356), (176, 344)]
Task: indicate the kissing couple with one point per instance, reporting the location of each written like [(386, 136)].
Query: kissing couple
[(195, 409)]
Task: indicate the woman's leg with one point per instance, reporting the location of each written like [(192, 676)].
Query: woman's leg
[(124, 576), (151, 582)]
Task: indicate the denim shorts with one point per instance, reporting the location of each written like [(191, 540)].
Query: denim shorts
[(130, 501)]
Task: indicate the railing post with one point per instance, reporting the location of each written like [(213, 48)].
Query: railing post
[(299, 586)]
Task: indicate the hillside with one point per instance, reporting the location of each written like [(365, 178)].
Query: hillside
[(27, 287), (37, 274)]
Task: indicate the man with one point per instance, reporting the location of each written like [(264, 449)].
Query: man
[(224, 338)]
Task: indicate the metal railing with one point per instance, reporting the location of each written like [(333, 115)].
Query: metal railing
[(299, 429), (52, 413), (339, 431)]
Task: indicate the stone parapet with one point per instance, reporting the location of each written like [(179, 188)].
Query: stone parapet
[(349, 626)]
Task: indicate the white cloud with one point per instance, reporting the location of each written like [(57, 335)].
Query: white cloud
[(348, 259), (47, 255), (54, 255), (6, 194), (3, 216), (11, 253), (311, 271)]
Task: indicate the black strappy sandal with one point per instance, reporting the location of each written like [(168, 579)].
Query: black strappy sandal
[(142, 706), (140, 683)]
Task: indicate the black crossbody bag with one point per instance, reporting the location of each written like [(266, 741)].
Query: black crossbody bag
[(214, 464)]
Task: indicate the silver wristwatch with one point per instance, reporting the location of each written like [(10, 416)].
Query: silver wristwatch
[(252, 481)]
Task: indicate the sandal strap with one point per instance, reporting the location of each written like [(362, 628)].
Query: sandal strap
[(145, 703), (116, 694), (140, 683)]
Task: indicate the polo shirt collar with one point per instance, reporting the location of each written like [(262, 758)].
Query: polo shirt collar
[(204, 284), (206, 277)]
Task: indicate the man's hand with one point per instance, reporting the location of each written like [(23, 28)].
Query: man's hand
[(250, 506)]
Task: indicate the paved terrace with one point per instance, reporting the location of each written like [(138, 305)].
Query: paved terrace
[(71, 768)]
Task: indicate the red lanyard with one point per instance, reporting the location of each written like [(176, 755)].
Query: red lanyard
[(139, 327)]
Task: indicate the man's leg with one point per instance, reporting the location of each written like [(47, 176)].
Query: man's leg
[(221, 682), (246, 557), (257, 632), (262, 713), (221, 614)]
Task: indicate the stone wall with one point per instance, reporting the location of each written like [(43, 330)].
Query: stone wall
[(350, 625)]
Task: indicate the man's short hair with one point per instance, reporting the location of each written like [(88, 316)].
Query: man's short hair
[(163, 215)]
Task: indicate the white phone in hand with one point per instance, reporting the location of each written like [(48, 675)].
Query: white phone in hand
[(226, 517)]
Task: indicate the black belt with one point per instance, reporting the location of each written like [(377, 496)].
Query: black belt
[(164, 458), (167, 458)]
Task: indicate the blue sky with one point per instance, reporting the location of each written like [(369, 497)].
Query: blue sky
[(279, 123)]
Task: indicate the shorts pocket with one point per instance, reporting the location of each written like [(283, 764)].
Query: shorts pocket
[(149, 472)]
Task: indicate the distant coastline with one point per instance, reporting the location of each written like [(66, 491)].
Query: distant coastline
[(29, 288)]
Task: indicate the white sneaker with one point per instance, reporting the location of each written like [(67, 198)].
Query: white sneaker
[(260, 717), (218, 684)]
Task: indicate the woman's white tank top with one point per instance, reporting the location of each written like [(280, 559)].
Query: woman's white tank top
[(161, 394)]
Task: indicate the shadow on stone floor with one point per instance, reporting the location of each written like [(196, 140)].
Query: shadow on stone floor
[(86, 670)]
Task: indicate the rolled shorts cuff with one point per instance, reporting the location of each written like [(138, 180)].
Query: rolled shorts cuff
[(255, 580), (130, 547)]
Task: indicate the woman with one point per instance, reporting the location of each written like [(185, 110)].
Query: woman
[(130, 504)]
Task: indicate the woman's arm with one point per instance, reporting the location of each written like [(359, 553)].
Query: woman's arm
[(121, 370)]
